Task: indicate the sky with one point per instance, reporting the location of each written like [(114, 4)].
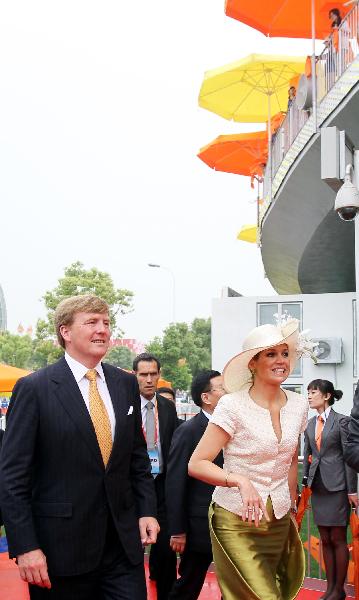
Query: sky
[(99, 131)]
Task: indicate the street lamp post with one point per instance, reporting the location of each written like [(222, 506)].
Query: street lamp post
[(155, 266)]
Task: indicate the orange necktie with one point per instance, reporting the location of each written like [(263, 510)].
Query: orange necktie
[(99, 417), (318, 437)]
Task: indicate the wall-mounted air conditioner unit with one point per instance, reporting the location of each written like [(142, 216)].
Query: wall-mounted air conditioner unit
[(329, 350)]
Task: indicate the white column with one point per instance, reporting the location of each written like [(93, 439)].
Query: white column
[(356, 183)]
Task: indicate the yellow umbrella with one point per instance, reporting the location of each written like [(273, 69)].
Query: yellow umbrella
[(236, 91), (248, 233)]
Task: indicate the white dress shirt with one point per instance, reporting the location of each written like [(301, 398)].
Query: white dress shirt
[(208, 415), (144, 415), (79, 371)]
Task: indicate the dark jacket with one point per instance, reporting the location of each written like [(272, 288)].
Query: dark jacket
[(55, 491), (335, 474), (188, 499), (1, 437), (168, 423), (351, 451)]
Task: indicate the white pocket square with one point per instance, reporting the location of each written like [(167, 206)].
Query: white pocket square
[(130, 411)]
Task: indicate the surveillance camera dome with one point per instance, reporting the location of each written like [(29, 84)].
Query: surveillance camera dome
[(348, 213), (347, 199)]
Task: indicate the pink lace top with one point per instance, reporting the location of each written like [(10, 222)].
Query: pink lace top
[(254, 451)]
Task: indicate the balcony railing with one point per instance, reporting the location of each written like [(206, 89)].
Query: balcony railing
[(341, 49)]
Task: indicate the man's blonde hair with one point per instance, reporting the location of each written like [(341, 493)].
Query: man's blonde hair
[(66, 310)]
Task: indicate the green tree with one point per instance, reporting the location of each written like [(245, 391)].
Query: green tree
[(15, 350), (183, 351), (120, 356), (44, 353), (77, 280)]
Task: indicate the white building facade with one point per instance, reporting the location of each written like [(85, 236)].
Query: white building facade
[(330, 317)]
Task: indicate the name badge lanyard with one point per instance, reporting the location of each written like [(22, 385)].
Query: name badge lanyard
[(156, 426)]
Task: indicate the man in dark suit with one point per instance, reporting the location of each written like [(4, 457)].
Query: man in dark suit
[(159, 421), (77, 494), (189, 498), (351, 448), (1, 437)]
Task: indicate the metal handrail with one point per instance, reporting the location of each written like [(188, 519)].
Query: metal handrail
[(341, 48)]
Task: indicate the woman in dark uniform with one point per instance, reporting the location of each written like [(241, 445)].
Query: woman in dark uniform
[(333, 483)]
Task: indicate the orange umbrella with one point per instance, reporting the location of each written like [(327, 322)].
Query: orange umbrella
[(354, 526), (240, 153), (285, 18), (303, 504), (9, 376), (164, 383)]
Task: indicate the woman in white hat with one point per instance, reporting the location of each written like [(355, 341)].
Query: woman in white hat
[(256, 547)]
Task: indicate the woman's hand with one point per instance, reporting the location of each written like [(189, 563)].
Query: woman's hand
[(252, 502), (353, 499)]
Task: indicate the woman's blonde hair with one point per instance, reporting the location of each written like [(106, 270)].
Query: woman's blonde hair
[(66, 310)]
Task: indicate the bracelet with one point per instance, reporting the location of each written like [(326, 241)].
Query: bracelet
[(293, 510), (228, 473)]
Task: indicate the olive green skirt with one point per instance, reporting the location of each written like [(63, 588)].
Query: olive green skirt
[(256, 563)]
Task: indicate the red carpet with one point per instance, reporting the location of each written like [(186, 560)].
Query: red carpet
[(12, 588)]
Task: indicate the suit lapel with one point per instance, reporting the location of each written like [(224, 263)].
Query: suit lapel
[(163, 422), (329, 423), (68, 393), (203, 421), (114, 385), (311, 434)]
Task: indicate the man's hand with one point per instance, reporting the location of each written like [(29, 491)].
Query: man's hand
[(149, 529), (353, 499), (178, 542), (33, 568)]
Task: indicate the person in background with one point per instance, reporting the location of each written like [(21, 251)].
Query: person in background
[(256, 547), (1, 437), (190, 498), (77, 495), (351, 449), (159, 421), (167, 392), (333, 483), (170, 394), (292, 92)]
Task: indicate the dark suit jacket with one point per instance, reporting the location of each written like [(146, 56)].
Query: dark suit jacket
[(188, 499), (335, 474), (351, 451), (1, 437), (167, 421), (56, 493)]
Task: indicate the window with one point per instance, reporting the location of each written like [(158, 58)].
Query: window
[(266, 312), (295, 387)]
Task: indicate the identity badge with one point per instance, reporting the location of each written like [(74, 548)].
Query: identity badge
[(155, 460)]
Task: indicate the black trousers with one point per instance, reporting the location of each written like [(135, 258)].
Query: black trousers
[(162, 560), (114, 579), (192, 570)]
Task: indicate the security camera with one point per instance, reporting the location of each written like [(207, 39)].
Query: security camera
[(347, 199)]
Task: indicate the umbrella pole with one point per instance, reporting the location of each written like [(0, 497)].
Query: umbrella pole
[(269, 149), (258, 215), (314, 74)]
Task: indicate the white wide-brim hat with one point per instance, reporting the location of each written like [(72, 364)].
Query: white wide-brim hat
[(236, 374)]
